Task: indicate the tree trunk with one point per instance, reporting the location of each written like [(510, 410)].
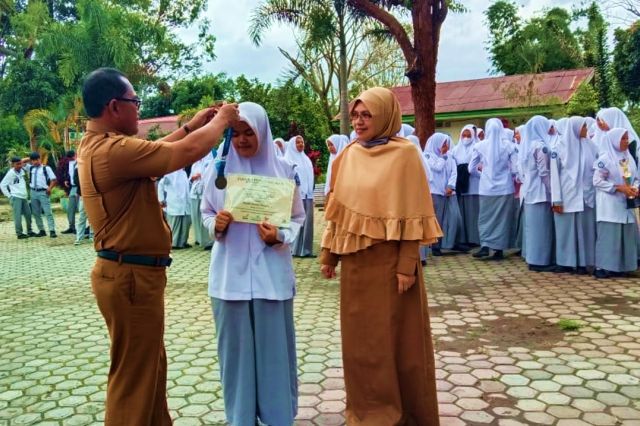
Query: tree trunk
[(422, 94), (345, 127)]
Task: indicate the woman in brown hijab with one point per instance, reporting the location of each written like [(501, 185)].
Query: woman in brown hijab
[(378, 213)]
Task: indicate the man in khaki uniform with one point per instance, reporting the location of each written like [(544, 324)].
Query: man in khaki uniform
[(132, 239)]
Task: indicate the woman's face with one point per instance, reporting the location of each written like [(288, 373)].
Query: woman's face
[(299, 144), (517, 137), (444, 149), (584, 131), (552, 130), (602, 125), (362, 122), (624, 142), (466, 133), (331, 148), (279, 143), (244, 140), (481, 135)]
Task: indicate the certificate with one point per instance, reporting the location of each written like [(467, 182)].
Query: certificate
[(254, 199)]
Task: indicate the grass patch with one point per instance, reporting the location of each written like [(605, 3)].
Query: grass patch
[(569, 325)]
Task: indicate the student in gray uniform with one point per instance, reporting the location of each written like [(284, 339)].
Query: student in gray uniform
[(615, 179), (14, 187), (173, 194), (41, 180), (539, 228), (573, 198), (72, 187)]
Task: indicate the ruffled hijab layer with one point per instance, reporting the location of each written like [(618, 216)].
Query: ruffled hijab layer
[(372, 199)]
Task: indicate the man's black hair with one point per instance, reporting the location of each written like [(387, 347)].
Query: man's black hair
[(99, 87), (71, 153), (16, 160), (34, 156)]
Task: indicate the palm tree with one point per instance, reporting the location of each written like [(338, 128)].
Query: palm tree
[(56, 123), (323, 21)]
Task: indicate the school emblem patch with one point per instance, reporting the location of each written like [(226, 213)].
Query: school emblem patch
[(554, 155), (601, 165), (545, 149)]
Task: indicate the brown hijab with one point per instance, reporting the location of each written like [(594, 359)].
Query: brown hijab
[(379, 193)]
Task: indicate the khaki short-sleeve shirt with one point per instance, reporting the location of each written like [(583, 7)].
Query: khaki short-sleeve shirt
[(117, 180)]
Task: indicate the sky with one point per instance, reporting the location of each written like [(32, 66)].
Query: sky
[(462, 53)]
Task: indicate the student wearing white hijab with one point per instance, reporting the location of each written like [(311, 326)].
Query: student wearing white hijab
[(280, 144), (173, 194), (573, 197), (539, 227), (252, 285), (591, 126), (424, 250), (617, 234), (480, 133), (467, 186), (492, 159), (406, 130), (518, 211), (609, 118), (442, 183), (335, 145), (198, 170), (294, 154)]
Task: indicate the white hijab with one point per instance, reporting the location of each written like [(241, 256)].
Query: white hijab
[(497, 148), (612, 156), (304, 167), (614, 117), (435, 159), (576, 154), (406, 130), (414, 140), (339, 142), (279, 151), (536, 130), (464, 148)]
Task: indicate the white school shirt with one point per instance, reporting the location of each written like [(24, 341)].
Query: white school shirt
[(563, 191), (440, 180), (39, 180), (173, 189), (199, 166), (611, 206), (72, 168), (538, 176), (14, 184), (503, 184)]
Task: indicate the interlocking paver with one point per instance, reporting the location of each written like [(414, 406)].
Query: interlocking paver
[(501, 359)]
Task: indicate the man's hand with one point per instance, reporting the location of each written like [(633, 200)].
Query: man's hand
[(227, 114), (223, 220), (268, 233), (405, 282), (557, 209), (201, 118), (448, 192), (66, 184), (48, 192), (328, 271)]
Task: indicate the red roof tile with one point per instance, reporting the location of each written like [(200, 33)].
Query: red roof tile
[(501, 92), (165, 125)]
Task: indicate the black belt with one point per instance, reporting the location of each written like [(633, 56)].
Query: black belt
[(134, 259), (38, 190)]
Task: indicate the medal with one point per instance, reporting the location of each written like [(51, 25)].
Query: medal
[(221, 182)]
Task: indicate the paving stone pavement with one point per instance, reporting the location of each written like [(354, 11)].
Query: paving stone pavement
[(502, 357)]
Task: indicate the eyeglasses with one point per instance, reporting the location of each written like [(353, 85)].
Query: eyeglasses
[(366, 116), (135, 101)]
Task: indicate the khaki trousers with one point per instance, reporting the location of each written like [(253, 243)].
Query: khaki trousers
[(131, 300)]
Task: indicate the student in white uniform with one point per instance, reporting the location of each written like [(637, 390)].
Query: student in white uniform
[(609, 118), (573, 197), (617, 236), (198, 170), (467, 186), (442, 183), (492, 160), (294, 154), (41, 180), (173, 193), (14, 187), (539, 227), (252, 285), (280, 145), (335, 145), (424, 250), (518, 218)]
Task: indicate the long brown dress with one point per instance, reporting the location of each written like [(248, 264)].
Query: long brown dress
[(378, 213)]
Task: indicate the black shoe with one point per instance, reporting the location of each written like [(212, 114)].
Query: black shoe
[(436, 252), (497, 255), (601, 274), (564, 270), (483, 252), (41, 234), (187, 245), (32, 234), (542, 268), (87, 232), (52, 234), (22, 236), (208, 248), (423, 262), (461, 248), (582, 271), (69, 231)]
